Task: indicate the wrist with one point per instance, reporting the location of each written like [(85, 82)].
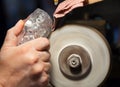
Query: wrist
[(3, 79), (4, 75), (1, 85), (8, 81)]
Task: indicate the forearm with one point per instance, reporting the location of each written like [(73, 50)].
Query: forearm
[(7, 80), (7, 77)]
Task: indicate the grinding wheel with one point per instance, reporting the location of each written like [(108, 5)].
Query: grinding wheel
[(80, 57)]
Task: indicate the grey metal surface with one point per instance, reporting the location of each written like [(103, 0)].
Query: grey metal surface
[(92, 42)]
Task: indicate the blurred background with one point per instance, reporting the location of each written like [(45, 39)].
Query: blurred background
[(106, 11)]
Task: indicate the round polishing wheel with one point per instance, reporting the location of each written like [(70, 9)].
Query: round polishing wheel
[(80, 57)]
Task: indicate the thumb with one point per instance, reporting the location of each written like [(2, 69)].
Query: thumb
[(12, 34)]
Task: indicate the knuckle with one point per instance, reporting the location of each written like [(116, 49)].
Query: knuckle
[(46, 41), (47, 67), (44, 56), (31, 58), (45, 79), (29, 55), (37, 69), (47, 55), (23, 50)]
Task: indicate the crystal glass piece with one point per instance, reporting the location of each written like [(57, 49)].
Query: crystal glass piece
[(38, 24)]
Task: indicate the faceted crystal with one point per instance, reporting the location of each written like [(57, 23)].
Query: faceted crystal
[(38, 24)]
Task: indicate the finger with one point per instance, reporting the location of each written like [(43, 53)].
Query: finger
[(37, 69), (41, 81), (38, 44), (44, 80), (29, 56), (67, 6), (11, 37), (47, 67), (44, 56), (18, 27)]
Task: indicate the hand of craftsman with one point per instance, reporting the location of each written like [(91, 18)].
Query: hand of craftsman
[(66, 6), (24, 63)]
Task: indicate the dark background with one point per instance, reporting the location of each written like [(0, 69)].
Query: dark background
[(109, 10)]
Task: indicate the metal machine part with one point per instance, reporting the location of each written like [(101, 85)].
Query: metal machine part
[(80, 57)]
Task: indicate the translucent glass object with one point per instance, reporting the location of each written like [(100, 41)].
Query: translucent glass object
[(38, 24)]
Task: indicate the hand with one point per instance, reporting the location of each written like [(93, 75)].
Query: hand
[(67, 6), (24, 63)]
